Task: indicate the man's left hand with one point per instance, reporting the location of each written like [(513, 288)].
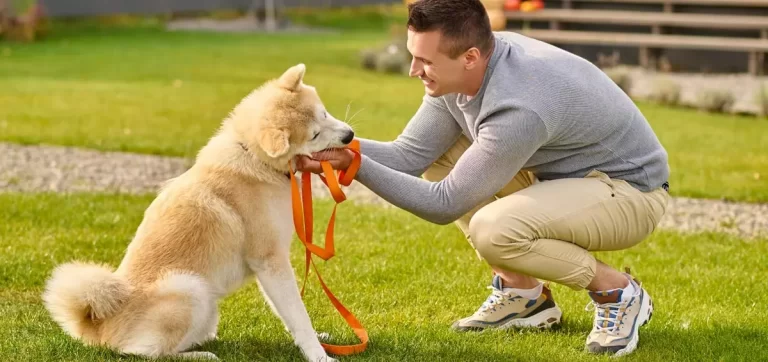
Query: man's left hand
[(338, 158)]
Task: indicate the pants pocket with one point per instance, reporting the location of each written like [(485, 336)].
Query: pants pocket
[(604, 179)]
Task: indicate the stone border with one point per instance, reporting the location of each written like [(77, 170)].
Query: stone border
[(743, 87)]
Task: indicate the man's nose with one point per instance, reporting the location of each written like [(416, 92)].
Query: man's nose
[(415, 69)]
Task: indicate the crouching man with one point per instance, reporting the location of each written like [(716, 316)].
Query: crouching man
[(537, 156)]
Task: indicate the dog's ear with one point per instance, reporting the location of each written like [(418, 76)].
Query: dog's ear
[(292, 78), (274, 141)]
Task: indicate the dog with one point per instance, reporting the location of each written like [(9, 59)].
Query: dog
[(228, 218)]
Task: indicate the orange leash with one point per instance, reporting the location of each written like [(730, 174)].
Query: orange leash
[(302, 221)]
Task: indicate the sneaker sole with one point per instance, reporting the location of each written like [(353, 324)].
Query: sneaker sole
[(646, 312), (545, 319)]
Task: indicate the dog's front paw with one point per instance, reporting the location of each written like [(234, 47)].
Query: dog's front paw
[(208, 355), (198, 355), (326, 359)]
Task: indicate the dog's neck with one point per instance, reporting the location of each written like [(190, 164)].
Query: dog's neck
[(226, 151), (251, 154)]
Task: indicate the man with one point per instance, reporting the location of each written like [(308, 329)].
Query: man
[(537, 156)]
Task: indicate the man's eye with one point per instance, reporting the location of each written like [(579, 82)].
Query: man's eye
[(316, 134)]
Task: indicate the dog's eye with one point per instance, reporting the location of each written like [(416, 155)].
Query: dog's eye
[(316, 134), (325, 114)]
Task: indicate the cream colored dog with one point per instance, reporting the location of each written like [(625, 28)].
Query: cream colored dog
[(224, 220)]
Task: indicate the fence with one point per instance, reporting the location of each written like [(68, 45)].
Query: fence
[(67, 8)]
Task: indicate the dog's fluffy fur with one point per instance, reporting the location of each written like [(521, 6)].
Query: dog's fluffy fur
[(224, 220)]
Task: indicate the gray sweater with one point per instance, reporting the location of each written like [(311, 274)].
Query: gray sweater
[(539, 108)]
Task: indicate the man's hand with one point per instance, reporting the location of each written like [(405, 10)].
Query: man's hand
[(338, 158)]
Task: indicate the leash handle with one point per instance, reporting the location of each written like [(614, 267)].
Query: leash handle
[(303, 223)]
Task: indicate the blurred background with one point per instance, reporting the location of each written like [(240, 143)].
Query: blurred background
[(134, 75)]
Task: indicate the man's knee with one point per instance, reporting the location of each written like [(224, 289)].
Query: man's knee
[(436, 172), (499, 236), (444, 164)]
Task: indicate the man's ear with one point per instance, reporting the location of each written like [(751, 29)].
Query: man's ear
[(292, 78), (274, 142), (471, 58)]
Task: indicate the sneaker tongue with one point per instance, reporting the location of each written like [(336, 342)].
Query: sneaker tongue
[(496, 282), (614, 294)]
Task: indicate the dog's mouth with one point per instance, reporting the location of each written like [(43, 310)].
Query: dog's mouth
[(326, 152)]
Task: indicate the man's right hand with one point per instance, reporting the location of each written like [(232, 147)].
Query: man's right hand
[(339, 160)]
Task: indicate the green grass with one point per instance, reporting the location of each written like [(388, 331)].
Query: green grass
[(374, 17), (713, 156), (137, 88), (405, 279)]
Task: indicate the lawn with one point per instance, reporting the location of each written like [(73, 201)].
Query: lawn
[(141, 89), (406, 280)]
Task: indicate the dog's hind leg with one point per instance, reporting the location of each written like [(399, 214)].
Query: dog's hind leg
[(214, 326), (178, 316), (278, 284)]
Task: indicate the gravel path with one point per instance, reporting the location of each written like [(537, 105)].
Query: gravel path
[(241, 25), (64, 169)]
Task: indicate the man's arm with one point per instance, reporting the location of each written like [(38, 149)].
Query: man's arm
[(429, 134), (505, 142)]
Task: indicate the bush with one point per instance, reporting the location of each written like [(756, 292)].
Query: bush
[(368, 59), (392, 58), (666, 92), (761, 98), (622, 78), (25, 27), (391, 62), (715, 100)]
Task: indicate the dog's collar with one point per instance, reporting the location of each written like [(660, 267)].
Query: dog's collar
[(245, 148)]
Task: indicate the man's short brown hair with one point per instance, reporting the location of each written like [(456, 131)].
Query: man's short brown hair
[(464, 24)]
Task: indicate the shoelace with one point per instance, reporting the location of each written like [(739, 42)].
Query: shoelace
[(608, 314), (497, 298)]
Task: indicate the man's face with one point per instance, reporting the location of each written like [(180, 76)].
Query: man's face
[(439, 73)]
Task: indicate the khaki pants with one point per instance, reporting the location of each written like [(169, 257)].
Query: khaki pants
[(547, 229)]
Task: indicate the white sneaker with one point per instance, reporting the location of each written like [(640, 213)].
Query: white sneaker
[(616, 325), (507, 310)]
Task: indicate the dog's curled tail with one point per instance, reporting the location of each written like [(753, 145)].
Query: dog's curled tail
[(78, 294)]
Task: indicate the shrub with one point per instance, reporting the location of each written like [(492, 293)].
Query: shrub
[(25, 27), (666, 92), (620, 76), (368, 58), (392, 58), (715, 100), (761, 98), (391, 61)]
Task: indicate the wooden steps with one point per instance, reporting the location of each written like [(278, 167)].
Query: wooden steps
[(706, 21), (660, 24), (649, 40), (731, 3)]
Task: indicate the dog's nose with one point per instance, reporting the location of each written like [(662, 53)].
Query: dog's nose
[(348, 138)]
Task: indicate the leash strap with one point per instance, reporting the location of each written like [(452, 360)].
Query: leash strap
[(303, 223)]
